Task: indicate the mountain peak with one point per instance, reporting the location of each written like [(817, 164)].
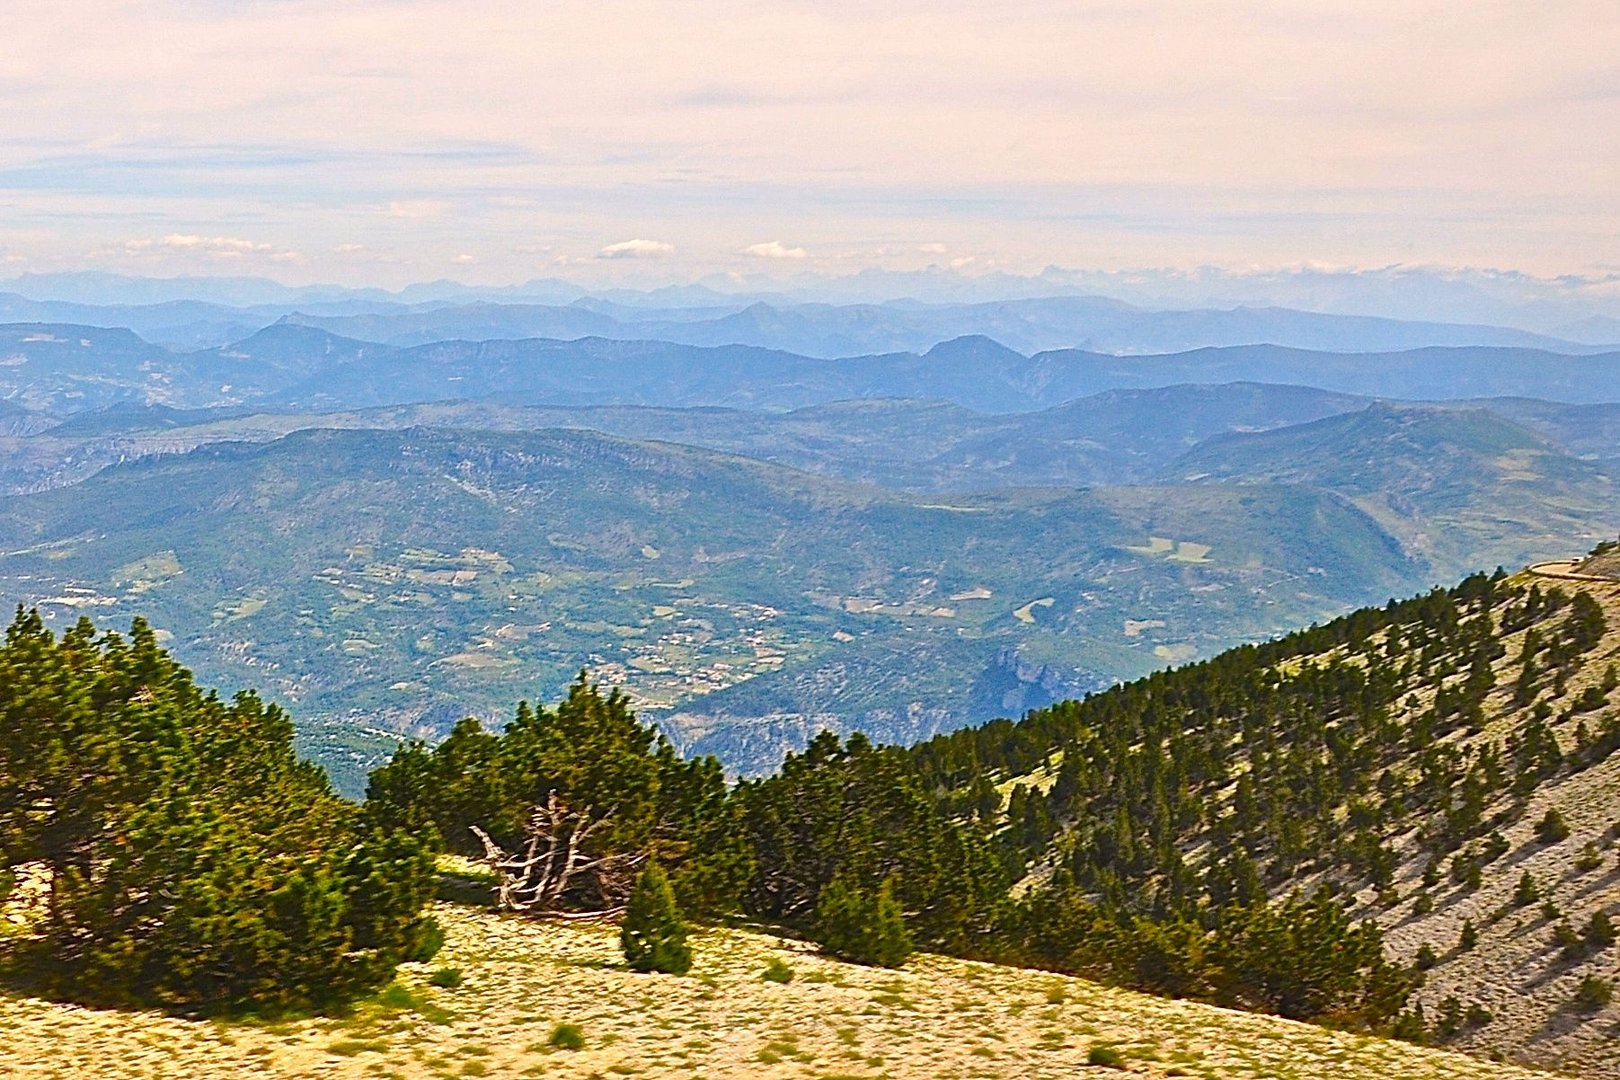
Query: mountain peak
[(972, 347)]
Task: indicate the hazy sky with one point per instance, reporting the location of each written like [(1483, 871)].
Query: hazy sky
[(379, 142)]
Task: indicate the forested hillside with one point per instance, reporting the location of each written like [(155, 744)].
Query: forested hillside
[(1442, 766)]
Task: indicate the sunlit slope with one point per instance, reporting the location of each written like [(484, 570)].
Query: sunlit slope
[(938, 1018)]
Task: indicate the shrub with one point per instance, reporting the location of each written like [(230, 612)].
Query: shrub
[(1527, 891), (429, 939), (857, 926), (1593, 994), (1469, 936), (567, 1037), (1426, 957), (1105, 1056), (1411, 1026), (1450, 1019), (449, 978), (653, 936), (1423, 904), (777, 971), (1307, 958), (1599, 932), (1552, 827)]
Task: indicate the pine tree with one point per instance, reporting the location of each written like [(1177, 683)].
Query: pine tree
[(194, 860), (1527, 891), (653, 936), (891, 942), (1552, 828), (862, 927)]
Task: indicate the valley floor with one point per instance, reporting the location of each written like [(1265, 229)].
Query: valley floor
[(938, 1018)]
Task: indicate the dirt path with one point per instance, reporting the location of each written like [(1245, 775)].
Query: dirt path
[(1564, 569)]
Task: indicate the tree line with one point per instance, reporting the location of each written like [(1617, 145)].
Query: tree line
[(1153, 830)]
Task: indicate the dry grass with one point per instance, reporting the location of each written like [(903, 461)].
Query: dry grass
[(526, 983)]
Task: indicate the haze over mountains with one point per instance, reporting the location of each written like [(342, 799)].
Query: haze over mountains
[(812, 322), (393, 515)]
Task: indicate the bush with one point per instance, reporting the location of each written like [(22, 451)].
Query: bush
[(1305, 959), (429, 939), (1105, 1056), (1469, 936), (1426, 957), (1552, 827), (1593, 994), (566, 1037), (1450, 1019), (777, 971), (1410, 1026), (857, 926), (653, 936), (1527, 891), (1599, 931), (449, 978)]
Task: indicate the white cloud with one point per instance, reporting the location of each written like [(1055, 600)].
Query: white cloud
[(637, 249), (775, 249), (464, 259), (230, 245), (931, 249), (414, 209), (218, 247)]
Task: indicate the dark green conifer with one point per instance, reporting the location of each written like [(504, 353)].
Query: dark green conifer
[(862, 927), (653, 936)]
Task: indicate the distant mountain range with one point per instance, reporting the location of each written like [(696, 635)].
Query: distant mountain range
[(63, 369), (779, 322), (1582, 309)]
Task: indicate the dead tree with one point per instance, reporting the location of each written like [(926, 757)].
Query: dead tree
[(558, 863)]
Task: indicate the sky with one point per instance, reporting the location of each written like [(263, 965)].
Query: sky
[(372, 142)]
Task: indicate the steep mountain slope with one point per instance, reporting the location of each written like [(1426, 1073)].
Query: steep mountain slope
[(1446, 765), (1456, 485), (407, 577), (17, 421)]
